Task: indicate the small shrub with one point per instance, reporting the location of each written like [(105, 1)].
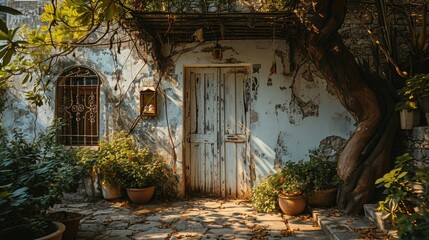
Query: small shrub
[(320, 173), (33, 177), (291, 179), (120, 160), (264, 197), (407, 207)]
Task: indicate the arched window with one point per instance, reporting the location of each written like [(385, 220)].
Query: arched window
[(77, 105)]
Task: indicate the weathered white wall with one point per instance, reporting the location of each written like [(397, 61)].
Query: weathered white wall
[(285, 124)]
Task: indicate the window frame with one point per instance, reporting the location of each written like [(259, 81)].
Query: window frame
[(67, 87)]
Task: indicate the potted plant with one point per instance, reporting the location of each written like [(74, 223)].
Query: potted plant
[(34, 175), (111, 156), (142, 172), (409, 113), (406, 201), (321, 179), (265, 196), (417, 87), (71, 221), (87, 159), (290, 182)]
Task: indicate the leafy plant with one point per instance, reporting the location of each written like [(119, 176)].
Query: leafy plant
[(406, 207), (264, 197), (9, 46), (112, 155), (87, 159), (144, 169), (291, 179), (119, 160), (416, 86), (320, 173), (406, 105), (33, 177)]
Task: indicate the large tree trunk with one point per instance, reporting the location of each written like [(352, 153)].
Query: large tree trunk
[(366, 155)]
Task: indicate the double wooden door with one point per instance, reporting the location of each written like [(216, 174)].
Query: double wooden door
[(217, 131)]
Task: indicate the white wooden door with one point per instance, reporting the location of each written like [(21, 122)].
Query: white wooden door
[(216, 132)]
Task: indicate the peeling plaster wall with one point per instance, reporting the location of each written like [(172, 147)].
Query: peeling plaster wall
[(292, 111), (285, 124)]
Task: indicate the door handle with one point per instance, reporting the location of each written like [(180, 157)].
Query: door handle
[(235, 138)]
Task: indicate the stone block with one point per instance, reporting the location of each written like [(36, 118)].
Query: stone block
[(144, 226), (419, 133), (154, 233)]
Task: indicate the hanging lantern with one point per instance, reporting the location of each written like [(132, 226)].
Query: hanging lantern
[(148, 102), (217, 52)]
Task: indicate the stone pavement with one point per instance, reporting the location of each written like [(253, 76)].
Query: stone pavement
[(191, 219)]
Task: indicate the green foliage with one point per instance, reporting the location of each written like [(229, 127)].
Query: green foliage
[(291, 179), (320, 173), (66, 25), (112, 155), (119, 160), (406, 206), (145, 169), (33, 177), (9, 46), (406, 105), (264, 197), (416, 86), (296, 178)]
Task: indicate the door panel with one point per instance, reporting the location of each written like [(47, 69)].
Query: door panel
[(216, 132), (234, 136), (204, 178)]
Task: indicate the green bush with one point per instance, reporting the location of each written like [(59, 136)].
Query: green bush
[(290, 180), (405, 205), (320, 173), (33, 176), (264, 197), (119, 160), (143, 169), (416, 86)]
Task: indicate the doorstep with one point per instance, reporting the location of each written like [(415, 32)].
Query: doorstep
[(340, 226)]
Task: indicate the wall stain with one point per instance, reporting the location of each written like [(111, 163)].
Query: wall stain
[(281, 107), (280, 150), (254, 117), (252, 168), (255, 86), (331, 146), (256, 68), (232, 60), (284, 59)]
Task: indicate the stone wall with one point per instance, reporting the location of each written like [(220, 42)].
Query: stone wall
[(416, 142)]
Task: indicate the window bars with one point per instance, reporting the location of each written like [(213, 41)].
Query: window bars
[(78, 107)]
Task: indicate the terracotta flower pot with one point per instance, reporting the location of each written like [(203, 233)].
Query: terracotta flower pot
[(70, 220), (291, 204), (57, 235), (54, 232), (140, 195), (323, 198), (111, 191)]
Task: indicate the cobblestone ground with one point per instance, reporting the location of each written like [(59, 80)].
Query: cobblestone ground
[(192, 219)]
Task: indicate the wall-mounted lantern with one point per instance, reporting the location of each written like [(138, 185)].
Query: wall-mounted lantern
[(217, 52), (148, 104)]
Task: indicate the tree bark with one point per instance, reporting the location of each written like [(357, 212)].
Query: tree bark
[(366, 155)]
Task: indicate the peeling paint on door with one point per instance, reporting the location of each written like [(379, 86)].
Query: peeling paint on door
[(217, 153)]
